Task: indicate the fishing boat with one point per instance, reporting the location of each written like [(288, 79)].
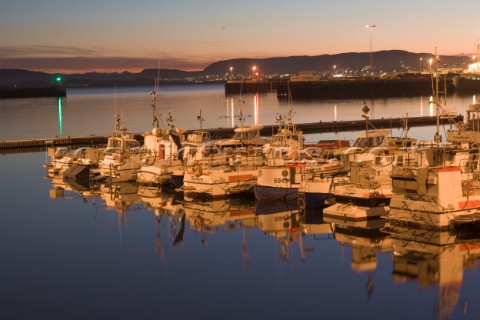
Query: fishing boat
[(362, 190), (62, 158), (222, 174), (221, 168), (123, 155), (243, 136), (285, 159), (196, 145), (163, 146), (364, 195), (437, 185)]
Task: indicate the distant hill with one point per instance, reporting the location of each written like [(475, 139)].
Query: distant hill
[(388, 61), (392, 60)]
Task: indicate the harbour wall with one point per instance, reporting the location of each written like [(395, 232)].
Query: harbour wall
[(343, 88), (15, 92)]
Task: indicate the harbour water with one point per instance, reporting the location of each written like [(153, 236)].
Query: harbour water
[(130, 252)]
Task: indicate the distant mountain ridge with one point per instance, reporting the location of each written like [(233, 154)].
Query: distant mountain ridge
[(388, 60)]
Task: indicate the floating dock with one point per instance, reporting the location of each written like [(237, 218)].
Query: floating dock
[(35, 145), (344, 126)]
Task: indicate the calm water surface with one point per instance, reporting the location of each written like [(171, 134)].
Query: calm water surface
[(130, 252)]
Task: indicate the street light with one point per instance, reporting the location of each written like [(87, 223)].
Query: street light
[(254, 71), (421, 65), (370, 29), (334, 68)]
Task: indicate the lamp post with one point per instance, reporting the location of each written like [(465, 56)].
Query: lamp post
[(421, 65), (334, 69), (231, 72), (370, 30), (254, 72)]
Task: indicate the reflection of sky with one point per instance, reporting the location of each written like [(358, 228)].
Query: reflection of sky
[(66, 236), (90, 111)]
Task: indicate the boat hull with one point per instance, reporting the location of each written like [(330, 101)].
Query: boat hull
[(275, 193)]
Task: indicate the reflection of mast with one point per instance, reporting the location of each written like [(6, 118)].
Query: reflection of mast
[(245, 261), (158, 237)]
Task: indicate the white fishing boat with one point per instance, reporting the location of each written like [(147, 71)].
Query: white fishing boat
[(221, 168), (123, 156), (222, 174), (196, 146), (277, 179), (243, 136), (62, 158), (163, 146), (366, 191), (437, 186)]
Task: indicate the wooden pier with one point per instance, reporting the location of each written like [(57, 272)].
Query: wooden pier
[(35, 145), (344, 126)]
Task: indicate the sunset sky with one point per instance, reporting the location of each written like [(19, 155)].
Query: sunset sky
[(119, 35)]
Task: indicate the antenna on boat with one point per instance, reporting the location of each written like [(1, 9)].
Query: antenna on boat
[(114, 100), (169, 121), (200, 119), (118, 129), (437, 137), (154, 95), (366, 110)]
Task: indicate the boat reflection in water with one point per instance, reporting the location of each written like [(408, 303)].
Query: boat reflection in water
[(429, 257), (367, 239), (281, 221), (435, 258), (167, 206)]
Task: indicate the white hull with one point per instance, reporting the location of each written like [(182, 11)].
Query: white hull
[(120, 171), (355, 213), (158, 173), (431, 215), (217, 183)]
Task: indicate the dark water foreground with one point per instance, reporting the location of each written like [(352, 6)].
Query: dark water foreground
[(126, 251)]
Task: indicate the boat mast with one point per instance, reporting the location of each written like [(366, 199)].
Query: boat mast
[(154, 95), (200, 119), (437, 138)]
